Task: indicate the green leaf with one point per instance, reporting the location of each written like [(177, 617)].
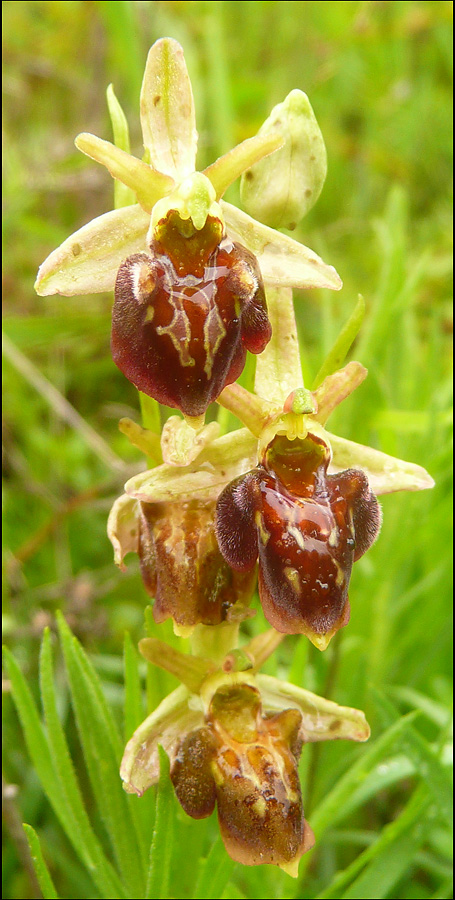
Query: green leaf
[(42, 872), (93, 856), (337, 355), (134, 707), (216, 870), (123, 196), (384, 861), (43, 762), (102, 751), (158, 879), (427, 763), (331, 809)]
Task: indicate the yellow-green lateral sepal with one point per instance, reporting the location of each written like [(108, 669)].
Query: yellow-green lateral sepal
[(226, 458), (386, 474), (323, 720), (88, 261), (173, 717), (282, 260), (123, 528)]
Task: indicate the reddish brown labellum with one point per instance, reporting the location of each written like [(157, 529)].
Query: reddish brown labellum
[(306, 526), (185, 314), (183, 569), (248, 763)]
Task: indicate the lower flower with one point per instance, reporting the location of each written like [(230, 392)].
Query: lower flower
[(247, 765), (234, 740)]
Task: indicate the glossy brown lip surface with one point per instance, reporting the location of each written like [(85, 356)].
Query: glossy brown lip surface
[(181, 326), (307, 528)]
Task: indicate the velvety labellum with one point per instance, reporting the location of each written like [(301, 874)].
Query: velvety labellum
[(306, 527), (181, 325)]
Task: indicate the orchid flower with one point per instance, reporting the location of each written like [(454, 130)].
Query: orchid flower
[(234, 738), (188, 269)]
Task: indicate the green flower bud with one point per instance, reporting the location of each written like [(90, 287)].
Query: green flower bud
[(280, 189)]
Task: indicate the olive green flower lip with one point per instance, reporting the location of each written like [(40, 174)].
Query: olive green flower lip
[(87, 262)]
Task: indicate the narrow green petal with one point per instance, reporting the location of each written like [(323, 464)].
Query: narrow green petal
[(167, 111), (283, 261), (227, 168), (88, 261), (226, 458), (165, 726), (249, 408), (144, 439), (386, 474), (190, 670), (278, 369), (323, 720), (335, 388), (148, 185)]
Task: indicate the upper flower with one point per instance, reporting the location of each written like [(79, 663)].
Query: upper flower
[(188, 269)]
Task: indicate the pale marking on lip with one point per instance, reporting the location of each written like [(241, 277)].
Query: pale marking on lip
[(297, 535), (293, 577), (135, 275), (339, 580), (214, 332), (263, 533)]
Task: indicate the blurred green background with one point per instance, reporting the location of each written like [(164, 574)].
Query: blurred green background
[(379, 77)]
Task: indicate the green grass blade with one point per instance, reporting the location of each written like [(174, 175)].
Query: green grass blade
[(215, 872), (42, 872), (331, 809), (95, 860), (384, 861), (42, 758), (426, 761), (100, 743), (159, 873), (337, 355)]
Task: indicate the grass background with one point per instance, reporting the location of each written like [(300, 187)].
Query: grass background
[(379, 78)]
